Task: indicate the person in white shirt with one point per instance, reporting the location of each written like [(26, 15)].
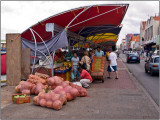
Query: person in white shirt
[(112, 63)]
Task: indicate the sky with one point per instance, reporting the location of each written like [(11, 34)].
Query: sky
[(17, 16)]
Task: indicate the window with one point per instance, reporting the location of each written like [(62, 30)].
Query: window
[(156, 60)]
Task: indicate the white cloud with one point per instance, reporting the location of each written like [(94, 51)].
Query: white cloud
[(17, 16)]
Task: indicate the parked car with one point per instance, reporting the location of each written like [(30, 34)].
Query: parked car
[(156, 52), (133, 57), (152, 65)]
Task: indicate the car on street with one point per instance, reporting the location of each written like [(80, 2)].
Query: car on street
[(133, 57), (152, 65)]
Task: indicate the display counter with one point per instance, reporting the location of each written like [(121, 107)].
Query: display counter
[(46, 69)]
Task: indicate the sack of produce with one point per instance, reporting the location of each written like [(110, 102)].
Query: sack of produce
[(35, 79), (24, 87), (82, 91), (44, 76), (54, 81), (71, 93), (38, 88), (50, 100)]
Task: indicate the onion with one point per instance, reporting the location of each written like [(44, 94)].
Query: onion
[(74, 92), (67, 82), (58, 88), (57, 105), (50, 81), (18, 88), (21, 82), (63, 98), (33, 89), (69, 97), (65, 102), (25, 91), (35, 100), (46, 87), (41, 95), (68, 88), (57, 79), (55, 97), (62, 92), (52, 94), (42, 102), (64, 84), (49, 104), (53, 87), (47, 96)]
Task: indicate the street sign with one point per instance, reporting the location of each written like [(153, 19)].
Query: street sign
[(50, 28)]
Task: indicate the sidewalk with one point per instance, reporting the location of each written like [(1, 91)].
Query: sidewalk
[(114, 99)]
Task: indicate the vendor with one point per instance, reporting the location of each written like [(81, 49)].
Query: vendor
[(75, 61), (85, 78), (69, 56), (86, 60), (99, 52), (91, 57)]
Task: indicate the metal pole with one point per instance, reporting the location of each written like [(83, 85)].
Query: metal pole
[(95, 16), (52, 59), (53, 62), (44, 44), (35, 49), (77, 16)]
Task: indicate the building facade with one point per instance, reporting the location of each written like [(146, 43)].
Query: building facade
[(151, 32), (142, 34)]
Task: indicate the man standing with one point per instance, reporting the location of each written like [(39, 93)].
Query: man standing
[(99, 52), (112, 63)]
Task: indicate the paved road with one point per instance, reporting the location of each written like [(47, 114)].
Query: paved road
[(150, 83)]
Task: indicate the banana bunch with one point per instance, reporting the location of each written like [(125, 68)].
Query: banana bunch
[(67, 64)]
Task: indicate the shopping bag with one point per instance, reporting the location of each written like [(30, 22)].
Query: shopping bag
[(72, 75), (84, 66), (111, 68)]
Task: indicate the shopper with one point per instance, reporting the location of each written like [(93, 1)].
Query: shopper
[(85, 78), (85, 61), (99, 52), (75, 61), (107, 56), (91, 57), (112, 63)]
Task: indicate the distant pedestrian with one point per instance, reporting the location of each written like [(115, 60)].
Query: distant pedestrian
[(142, 53), (112, 63)]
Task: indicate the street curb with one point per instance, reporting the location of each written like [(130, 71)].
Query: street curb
[(139, 85)]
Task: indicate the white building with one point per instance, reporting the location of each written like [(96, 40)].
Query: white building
[(142, 33), (151, 31)]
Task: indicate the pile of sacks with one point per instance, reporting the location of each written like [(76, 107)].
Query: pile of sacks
[(59, 91)]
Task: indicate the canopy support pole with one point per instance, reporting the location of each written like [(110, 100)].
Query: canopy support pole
[(52, 59), (35, 54), (77, 16), (95, 17)]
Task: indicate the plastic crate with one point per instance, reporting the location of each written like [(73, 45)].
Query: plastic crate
[(21, 100), (62, 71)]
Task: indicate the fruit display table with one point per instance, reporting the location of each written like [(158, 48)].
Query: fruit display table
[(64, 72), (46, 69)]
